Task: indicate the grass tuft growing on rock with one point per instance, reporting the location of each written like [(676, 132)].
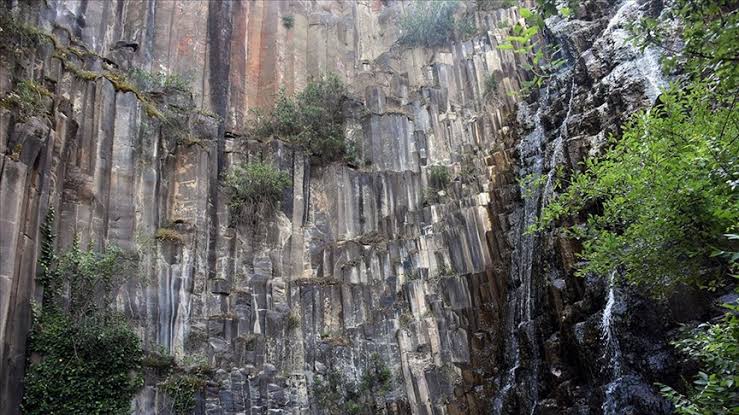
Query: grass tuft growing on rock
[(27, 99), (89, 356), (169, 235), (150, 81)]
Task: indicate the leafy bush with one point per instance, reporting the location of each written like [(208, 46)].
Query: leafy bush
[(708, 30), (714, 390), (159, 359), (292, 321), (313, 120), (90, 358), (27, 99), (666, 193), (254, 188), (288, 21), (428, 23), (525, 40)]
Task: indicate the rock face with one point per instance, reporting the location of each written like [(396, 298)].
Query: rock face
[(469, 313)]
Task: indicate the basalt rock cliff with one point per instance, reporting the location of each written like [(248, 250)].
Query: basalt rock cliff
[(470, 313)]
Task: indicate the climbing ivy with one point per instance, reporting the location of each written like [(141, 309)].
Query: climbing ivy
[(46, 275), (88, 366), (86, 359)]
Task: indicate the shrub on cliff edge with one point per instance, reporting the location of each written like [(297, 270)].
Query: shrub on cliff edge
[(313, 119)]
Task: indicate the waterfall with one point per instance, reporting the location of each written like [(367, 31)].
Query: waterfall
[(519, 305), (255, 307), (645, 62), (612, 353)]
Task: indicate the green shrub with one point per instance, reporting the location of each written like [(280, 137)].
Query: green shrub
[(292, 321), (714, 389), (428, 23), (313, 120), (666, 193), (254, 188), (27, 99), (439, 177), (159, 359), (526, 40), (89, 365), (532, 183), (288, 21), (708, 30), (377, 376)]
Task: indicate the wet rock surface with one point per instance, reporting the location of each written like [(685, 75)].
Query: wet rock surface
[(582, 346)]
